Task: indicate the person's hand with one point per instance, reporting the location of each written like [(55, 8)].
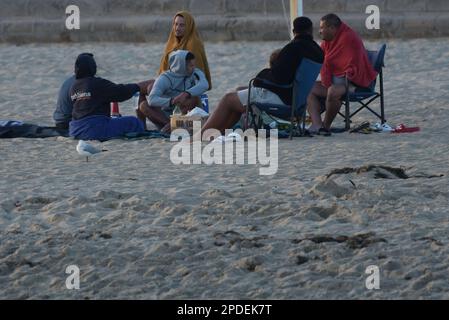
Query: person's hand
[(184, 108), (144, 86), (181, 99)]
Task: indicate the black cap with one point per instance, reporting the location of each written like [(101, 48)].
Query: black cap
[(85, 66), (302, 25)]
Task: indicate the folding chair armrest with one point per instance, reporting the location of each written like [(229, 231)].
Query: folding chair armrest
[(282, 86)]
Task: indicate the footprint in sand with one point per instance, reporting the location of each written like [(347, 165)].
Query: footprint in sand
[(326, 187), (39, 200), (216, 193), (319, 213), (249, 263), (102, 195)]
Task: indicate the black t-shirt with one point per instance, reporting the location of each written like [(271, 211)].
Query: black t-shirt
[(285, 66), (93, 96)]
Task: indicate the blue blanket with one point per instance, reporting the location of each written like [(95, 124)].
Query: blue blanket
[(103, 128)]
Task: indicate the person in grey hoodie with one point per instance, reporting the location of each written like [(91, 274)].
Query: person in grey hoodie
[(181, 86)]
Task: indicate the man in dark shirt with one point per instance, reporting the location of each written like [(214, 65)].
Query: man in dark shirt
[(92, 97), (283, 70), (64, 106)]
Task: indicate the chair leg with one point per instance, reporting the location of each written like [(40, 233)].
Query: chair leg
[(382, 102), (291, 128), (347, 114)]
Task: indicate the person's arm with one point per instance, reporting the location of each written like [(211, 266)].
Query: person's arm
[(326, 73), (201, 86), (190, 96), (156, 97), (117, 92)]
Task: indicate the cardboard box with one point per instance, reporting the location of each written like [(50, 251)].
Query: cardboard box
[(185, 122)]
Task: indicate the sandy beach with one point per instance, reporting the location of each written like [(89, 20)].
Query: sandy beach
[(139, 227)]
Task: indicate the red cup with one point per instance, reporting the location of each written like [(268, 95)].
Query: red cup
[(115, 110)]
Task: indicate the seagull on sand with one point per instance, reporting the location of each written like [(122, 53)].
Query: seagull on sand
[(87, 150)]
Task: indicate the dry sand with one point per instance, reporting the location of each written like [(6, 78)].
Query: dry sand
[(140, 227)]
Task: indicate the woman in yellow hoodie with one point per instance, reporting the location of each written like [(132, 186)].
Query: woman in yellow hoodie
[(183, 36)]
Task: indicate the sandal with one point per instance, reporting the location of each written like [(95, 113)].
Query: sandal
[(403, 129), (324, 132), (359, 128)]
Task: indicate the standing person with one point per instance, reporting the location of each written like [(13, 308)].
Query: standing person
[(92, 97), (345, 56)]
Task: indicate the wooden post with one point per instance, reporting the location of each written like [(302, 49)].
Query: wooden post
[(296, 10)]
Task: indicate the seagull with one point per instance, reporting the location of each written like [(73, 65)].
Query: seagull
[(87, 150)]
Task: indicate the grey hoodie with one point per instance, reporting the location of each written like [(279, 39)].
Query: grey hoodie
[(175, 81)]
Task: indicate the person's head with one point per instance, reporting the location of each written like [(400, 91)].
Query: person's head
[(190, 63), (179, 26), (182, 62), (329, 26), (302, 26), (274, 56), (85, 66)]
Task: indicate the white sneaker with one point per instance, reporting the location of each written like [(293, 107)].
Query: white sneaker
[(382, 127)]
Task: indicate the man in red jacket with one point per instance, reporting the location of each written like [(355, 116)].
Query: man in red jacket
[(344, 56)]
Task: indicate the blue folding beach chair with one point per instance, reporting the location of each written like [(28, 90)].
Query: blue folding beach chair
[(305, 78), (362, 94)]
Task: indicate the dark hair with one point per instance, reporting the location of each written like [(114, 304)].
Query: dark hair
[(332, 20), (85, 66), (302, 25), (190, 56)]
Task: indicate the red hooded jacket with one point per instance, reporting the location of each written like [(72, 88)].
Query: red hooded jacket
[(346, 55)]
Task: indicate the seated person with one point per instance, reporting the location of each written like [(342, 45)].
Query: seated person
[(181, 86), (282, 72), (64, 106), (345, 55), (92, 97), (184, 35)]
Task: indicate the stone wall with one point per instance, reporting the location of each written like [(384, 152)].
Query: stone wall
[(24, 21)]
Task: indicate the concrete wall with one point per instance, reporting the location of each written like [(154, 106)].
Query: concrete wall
[(219, 20)]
